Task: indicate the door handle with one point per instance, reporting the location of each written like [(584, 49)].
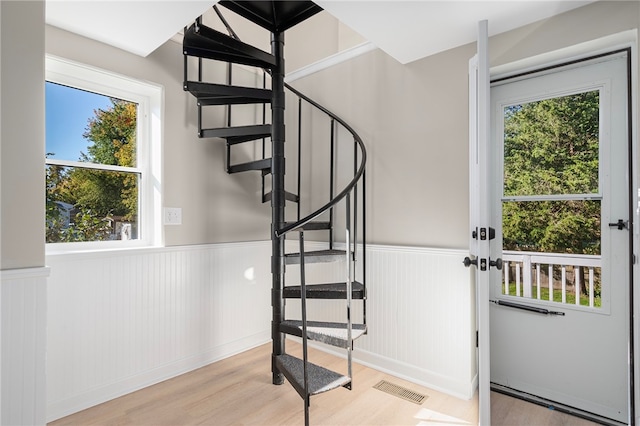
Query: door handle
[(620, 224), (468, 262), (497, 263)]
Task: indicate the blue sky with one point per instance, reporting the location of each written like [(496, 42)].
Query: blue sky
[(68, 111)]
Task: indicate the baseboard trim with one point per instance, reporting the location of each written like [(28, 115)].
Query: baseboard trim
[(406, 372)]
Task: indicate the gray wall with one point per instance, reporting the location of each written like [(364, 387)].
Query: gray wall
[(414, 121), (22, 135), (215, 207), (413, 118)]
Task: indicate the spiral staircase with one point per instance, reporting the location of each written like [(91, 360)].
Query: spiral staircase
[(210, 46)]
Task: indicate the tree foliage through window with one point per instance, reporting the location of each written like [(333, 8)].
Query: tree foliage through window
[(551, 147), (84, 204)]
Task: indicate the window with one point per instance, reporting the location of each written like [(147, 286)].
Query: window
[(103, 159)]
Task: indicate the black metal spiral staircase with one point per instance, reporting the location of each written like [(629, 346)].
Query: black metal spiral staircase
[(205, 43)]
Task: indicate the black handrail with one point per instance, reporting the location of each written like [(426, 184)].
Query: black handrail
[(352, 184), (296, 225)]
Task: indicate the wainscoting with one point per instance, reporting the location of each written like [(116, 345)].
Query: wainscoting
[(420, 315), (23, 316), (119, 321)]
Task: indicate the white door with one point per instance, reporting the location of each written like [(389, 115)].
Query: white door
[(480, 202), (560, 318)]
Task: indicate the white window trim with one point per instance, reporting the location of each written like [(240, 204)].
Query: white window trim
[(149, 98)]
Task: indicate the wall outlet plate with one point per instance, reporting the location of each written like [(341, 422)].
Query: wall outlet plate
[(173, 216)]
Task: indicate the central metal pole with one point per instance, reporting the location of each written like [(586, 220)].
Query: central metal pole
[(277, 201)]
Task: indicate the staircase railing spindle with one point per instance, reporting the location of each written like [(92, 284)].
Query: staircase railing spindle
[(331, 166)]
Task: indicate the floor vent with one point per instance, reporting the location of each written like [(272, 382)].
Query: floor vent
[(400, 392)]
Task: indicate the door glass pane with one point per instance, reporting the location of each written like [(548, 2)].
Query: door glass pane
[(551, 251), (551, 146), (551, 246)]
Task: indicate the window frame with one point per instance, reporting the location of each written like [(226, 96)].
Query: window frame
[(149, 98)]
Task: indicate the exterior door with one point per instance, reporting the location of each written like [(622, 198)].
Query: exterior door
[(480, 202), (560, 313)]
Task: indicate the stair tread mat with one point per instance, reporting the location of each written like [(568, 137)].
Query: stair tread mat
[(329, 252), (318, 330), (320, 378), (326, 291), (355, 286)]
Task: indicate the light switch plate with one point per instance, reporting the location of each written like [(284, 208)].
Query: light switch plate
[(173, 216)]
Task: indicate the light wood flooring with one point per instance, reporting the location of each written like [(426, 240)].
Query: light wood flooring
[(238, 390)]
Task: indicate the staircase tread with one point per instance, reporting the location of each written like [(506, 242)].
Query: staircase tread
[(331, 333), (315, 256), (320, 378), (313, 226), (326, 291), (327, 252), (274, 16), (252, 129), (208, 43), (263, 164), (222, 94), (289, 196)]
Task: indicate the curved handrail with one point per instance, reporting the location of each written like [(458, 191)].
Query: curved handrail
[(301, 222), (356, 178)]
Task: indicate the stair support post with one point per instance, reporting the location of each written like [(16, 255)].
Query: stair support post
[(277, 202)]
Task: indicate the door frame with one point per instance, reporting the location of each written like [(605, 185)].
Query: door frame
[(623, 40)]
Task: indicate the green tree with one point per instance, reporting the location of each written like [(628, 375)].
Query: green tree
[(551, 148), (97, 195)]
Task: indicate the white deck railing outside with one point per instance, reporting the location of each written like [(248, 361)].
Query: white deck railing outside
[(528, 274)]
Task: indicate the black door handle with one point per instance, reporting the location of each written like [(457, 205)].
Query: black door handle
[(497, 263), (620, 224), (468, 262)]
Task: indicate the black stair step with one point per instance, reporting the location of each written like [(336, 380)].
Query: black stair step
[(312, 226), (220, 94), (320, 378), (264, 164), (238, 134), (326, 291), (331, 333), (315, 256), (287, 196), (275, 16), (205, 42)]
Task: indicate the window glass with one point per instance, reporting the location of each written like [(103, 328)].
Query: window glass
[(551, 146), (92, 180)]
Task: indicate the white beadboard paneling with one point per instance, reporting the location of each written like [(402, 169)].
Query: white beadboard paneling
[(119, 321), (420, 314), (23, 308)]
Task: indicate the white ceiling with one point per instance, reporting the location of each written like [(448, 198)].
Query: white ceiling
[(410, 30), (139, 26), (406, 30)]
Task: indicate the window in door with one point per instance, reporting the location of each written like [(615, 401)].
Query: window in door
[(551, 204)]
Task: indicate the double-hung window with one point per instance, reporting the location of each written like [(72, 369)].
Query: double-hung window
[(102, 159)]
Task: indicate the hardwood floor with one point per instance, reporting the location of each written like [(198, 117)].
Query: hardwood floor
[(238, 390)]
